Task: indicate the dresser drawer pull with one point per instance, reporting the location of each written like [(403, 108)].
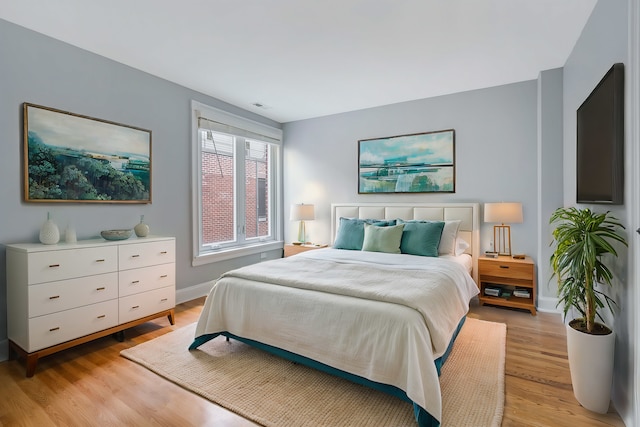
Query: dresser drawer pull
[(135, 306), (102, 288), (54, 297), (135, 282), (54, 265), (54, 329), (102, 316), (163, 253), (135, 256), (504, 266), (164, 275), (99, 260), (164, 299)]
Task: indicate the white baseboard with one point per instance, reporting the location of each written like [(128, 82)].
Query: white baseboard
[(193, 292), (4, 350), (548, 305)]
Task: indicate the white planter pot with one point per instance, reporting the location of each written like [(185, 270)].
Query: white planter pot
[(591, 364)]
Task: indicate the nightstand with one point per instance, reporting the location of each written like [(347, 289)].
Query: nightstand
[(296, 249), (507, 282)]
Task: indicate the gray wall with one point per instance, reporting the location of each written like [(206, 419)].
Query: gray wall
[(43, 71), (496, 152), (603, 42), (550, 178)]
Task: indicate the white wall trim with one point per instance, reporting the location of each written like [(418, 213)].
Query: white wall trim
[(548, 305), (193, 292)]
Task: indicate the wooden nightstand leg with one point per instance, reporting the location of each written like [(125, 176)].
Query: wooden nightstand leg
[(171, 316)]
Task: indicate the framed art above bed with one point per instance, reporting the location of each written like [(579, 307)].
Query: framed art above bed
[(416, 163)]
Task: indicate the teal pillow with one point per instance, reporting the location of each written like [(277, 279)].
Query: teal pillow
[(382, 239), (421, 238), (350, 233)]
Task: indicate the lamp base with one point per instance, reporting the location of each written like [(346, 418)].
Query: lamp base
[(502, 239), (301, 233)]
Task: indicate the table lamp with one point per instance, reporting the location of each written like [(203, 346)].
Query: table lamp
[(509, 213), (301, 212)]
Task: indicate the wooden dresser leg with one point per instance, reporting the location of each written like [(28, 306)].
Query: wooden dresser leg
[(171, 317), (32, 361)]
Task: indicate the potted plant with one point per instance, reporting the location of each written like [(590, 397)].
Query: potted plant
[(582, 238)]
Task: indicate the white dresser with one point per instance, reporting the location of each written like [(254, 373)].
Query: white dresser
[(63, 295)]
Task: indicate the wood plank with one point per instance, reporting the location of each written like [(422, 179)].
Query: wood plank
[(91, 384)]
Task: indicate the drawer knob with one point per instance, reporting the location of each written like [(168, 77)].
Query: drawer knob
[(135, 256), (54, 265), (54, 297), (102, 316), (504, 266), (54, 329), (163, 253), (135, 282), (100, 288), (163, 276), (99, 260), (135, 306), (164, 299)]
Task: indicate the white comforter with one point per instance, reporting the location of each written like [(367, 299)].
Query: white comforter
[(384, 317)]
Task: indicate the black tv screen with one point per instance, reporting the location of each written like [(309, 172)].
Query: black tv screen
[(600, 141)]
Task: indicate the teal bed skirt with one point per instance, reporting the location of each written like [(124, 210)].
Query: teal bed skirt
[(423, 418)]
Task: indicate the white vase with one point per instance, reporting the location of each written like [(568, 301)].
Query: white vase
[(49, 232), (141, 228), (591, 365)]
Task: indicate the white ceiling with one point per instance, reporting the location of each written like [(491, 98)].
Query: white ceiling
[(311, 58)]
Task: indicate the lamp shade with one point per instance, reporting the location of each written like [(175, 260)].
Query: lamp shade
[(503, 213), (302, 212)]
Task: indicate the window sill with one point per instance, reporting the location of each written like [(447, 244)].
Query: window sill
[(225, 254)]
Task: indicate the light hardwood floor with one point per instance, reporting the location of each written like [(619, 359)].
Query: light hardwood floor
[(91, 385)]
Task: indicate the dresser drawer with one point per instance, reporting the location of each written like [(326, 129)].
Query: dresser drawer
[(146, 278), (56, 265), (510, 270), (56, 328), (134, 307), (146, 254), (51, 297)]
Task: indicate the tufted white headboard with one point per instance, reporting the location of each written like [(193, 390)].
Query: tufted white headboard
[(468, 213)]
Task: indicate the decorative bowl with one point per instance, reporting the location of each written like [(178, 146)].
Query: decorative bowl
[(116, 234)]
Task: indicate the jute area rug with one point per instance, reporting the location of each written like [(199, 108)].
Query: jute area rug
[(272, 391)]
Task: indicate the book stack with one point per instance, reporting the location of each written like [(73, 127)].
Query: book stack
[(522, 293)]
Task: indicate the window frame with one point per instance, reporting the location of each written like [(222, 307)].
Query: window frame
[(234, 124)]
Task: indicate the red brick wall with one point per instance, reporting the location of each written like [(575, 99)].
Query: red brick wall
[(217, 199)]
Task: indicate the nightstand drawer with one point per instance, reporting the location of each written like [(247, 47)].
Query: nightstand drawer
[(510, 270)]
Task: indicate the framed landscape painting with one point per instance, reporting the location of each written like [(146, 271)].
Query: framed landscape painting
[(74, 158), (417, 163)]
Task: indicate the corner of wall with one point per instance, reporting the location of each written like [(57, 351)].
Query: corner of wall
[(4, 350)]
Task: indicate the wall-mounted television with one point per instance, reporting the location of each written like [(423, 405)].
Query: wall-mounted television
[(600, 141)]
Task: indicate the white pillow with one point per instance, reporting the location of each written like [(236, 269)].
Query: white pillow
[(448, 239), (461, 246)]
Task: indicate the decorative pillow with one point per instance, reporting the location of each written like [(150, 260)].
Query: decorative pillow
[(461, 246), (448, 240), (421, 237), (382, 239), (350, 233)]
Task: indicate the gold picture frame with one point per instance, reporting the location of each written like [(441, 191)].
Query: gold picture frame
[(80, 159)]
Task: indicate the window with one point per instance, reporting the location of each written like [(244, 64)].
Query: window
[(237, 171)]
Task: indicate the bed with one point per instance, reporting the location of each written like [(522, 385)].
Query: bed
[(385, 320)]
